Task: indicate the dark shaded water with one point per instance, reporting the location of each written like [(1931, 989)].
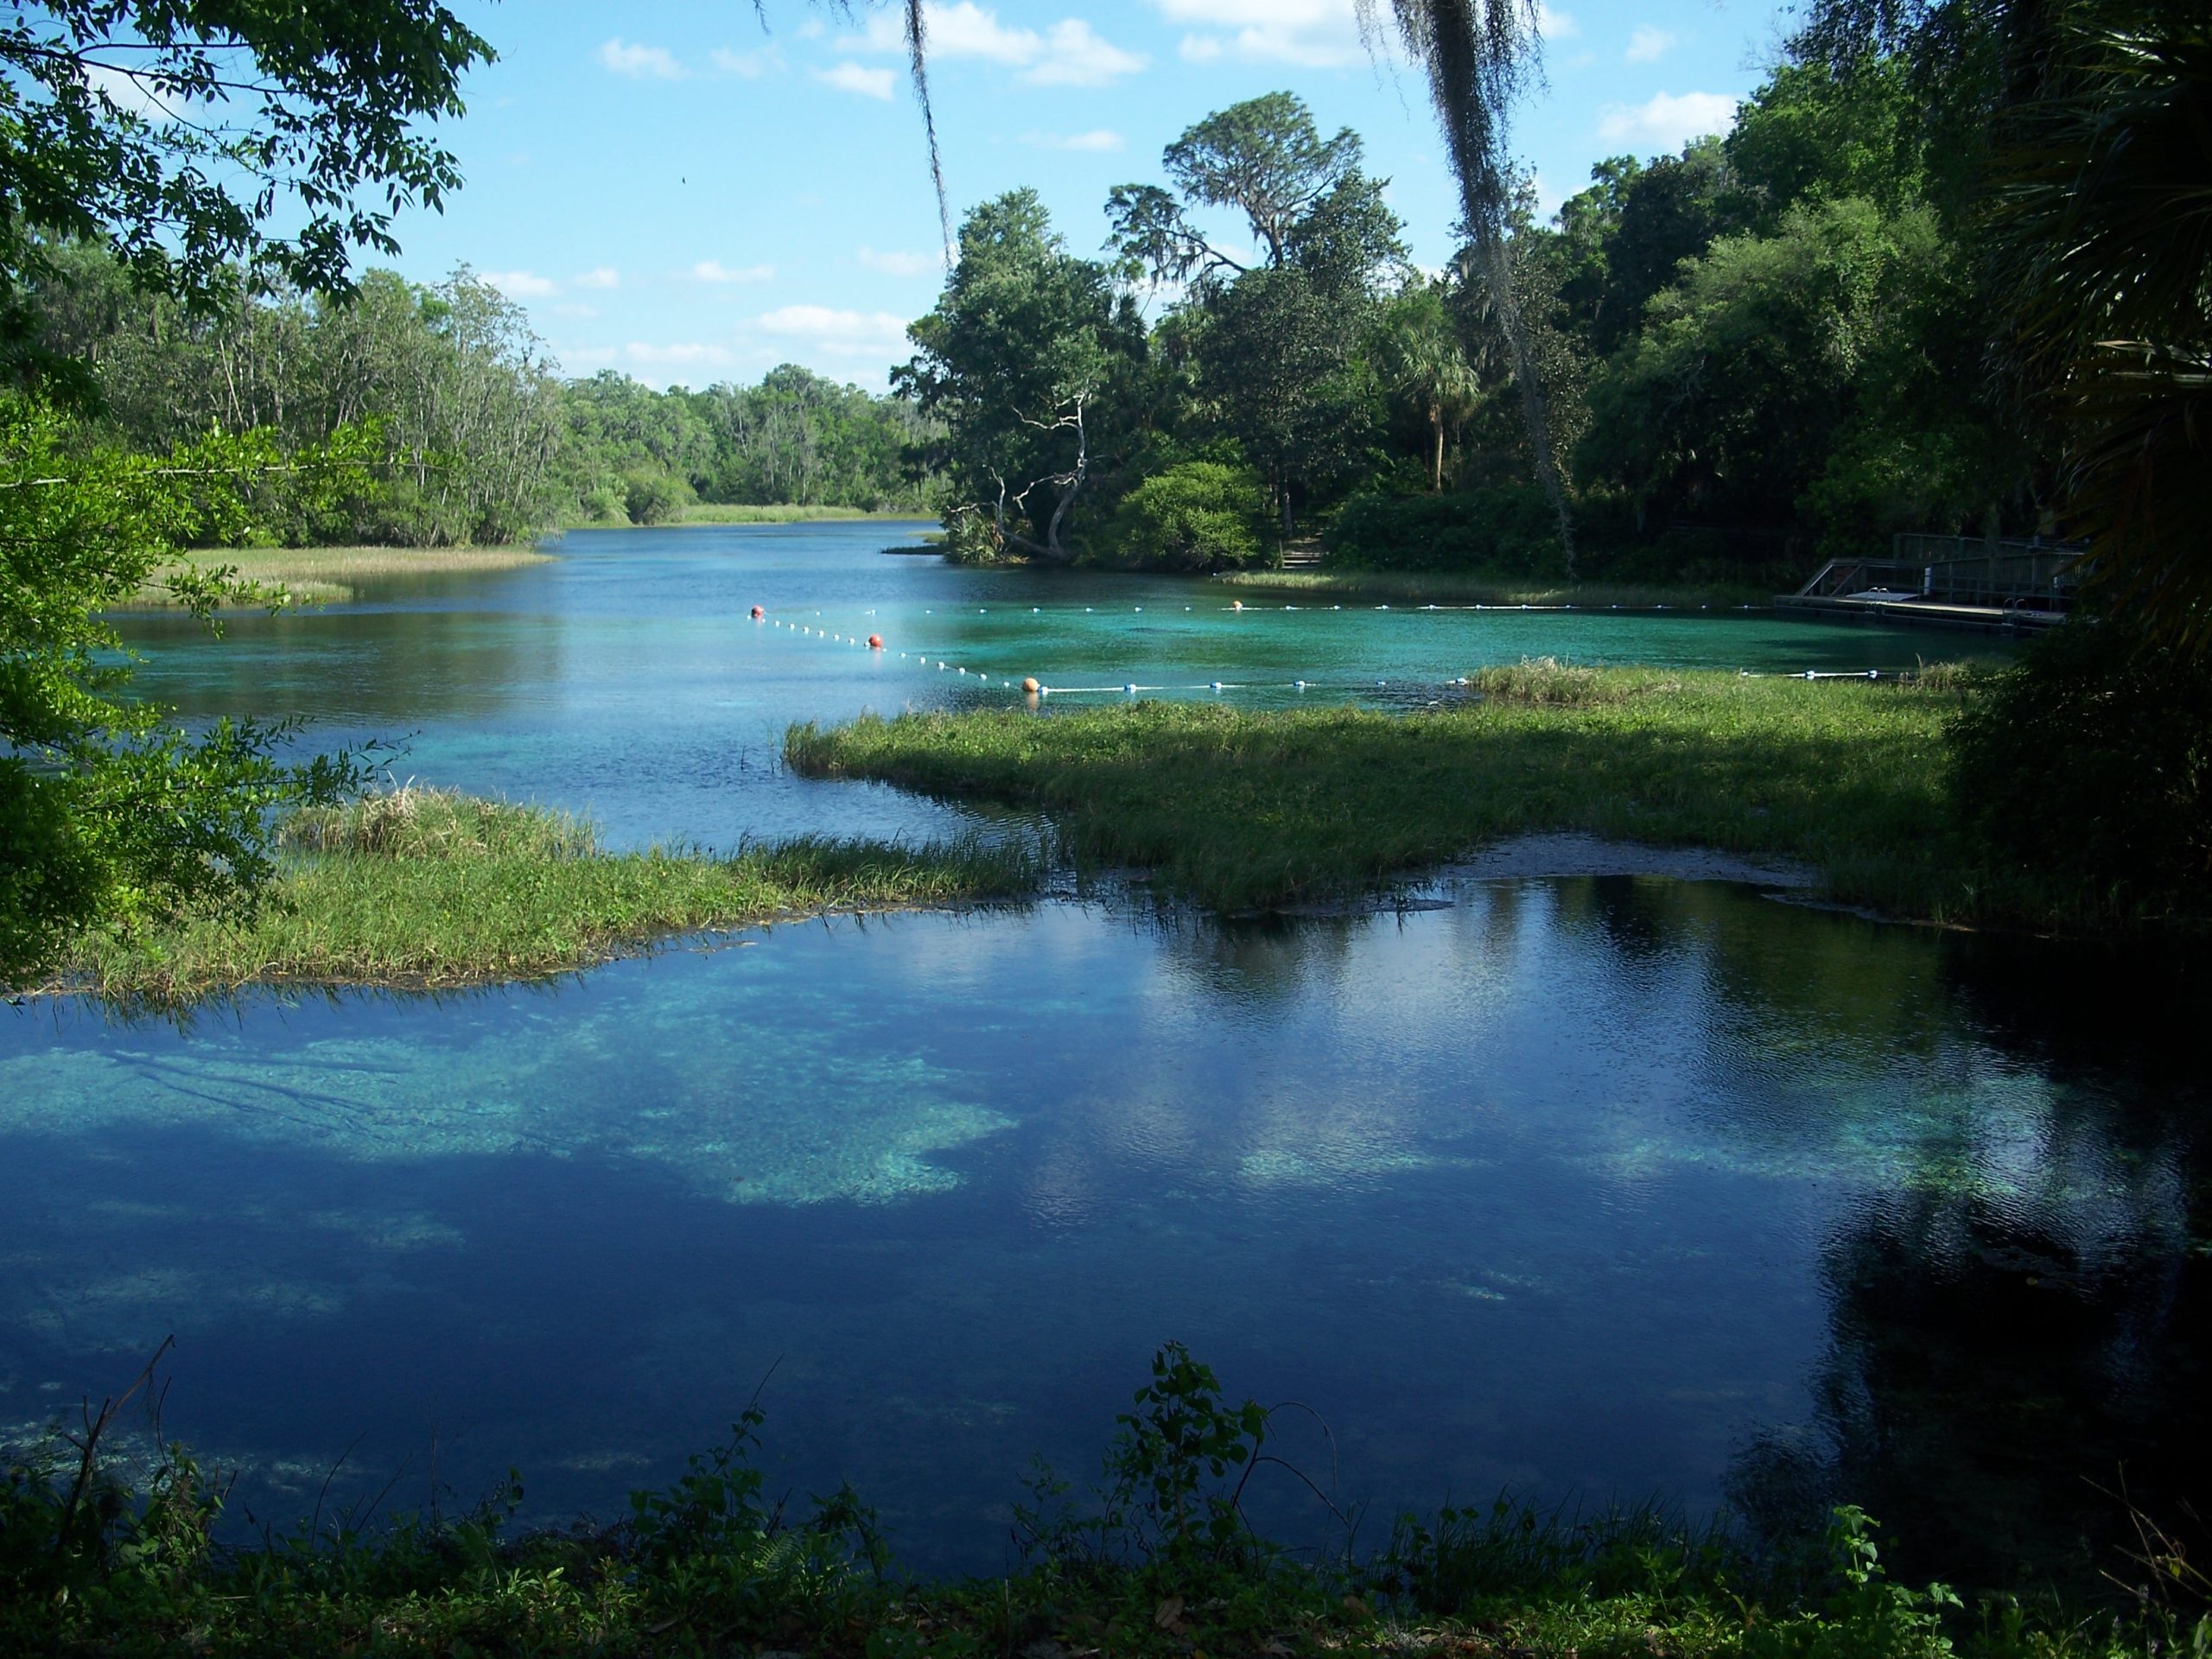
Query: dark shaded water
[(1596, 1186)]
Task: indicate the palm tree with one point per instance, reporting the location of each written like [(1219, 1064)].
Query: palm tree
[(1420, 358), (2101, 225)]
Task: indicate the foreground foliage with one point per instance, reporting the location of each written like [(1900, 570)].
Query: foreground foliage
[(1159, 1558), (107, 812), (1241, 811), (421, 887)]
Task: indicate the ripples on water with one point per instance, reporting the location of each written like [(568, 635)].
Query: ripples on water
[(1596, 1185)]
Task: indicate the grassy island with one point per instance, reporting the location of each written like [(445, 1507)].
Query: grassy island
[(422, 888), (328, 575), (1241, 811)]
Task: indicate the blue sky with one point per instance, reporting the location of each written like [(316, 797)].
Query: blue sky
[(676, 194)]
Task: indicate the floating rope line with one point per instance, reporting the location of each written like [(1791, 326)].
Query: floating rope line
[(1032, 687)]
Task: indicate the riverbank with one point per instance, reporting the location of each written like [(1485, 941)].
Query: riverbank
[(1161, 1560), (422, 889), (328, 575), (1242, 810), (1406, 587), (725, 512)]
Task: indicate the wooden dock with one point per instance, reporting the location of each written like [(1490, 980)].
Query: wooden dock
[(1912, 611), (1931, 581)]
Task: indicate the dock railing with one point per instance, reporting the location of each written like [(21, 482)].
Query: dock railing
[(1956, 570)]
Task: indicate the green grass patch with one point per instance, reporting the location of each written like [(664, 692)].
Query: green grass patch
[(737, 513), (328, 575), (1246, 811), (424, 888), (1396, 586)]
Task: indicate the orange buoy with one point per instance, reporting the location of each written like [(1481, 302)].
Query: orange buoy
[(758, 612), (1235, 604), (875, 642), (1029, 685)]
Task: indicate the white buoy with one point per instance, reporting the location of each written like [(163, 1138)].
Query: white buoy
[(1300, 684), (1216, 685), (1128, 688)]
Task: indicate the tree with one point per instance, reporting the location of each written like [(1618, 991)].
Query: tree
[(1263, 157), (1419, 355), (170, 129), (1476, 55), (2101, 232), (1023, 346), (106, 812), (112, 129), (1761, 359), (1276, 365)]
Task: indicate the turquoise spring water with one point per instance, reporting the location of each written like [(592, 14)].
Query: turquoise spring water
[(1595, 1187)]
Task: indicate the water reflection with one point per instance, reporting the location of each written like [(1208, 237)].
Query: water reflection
[(1622, 1185)]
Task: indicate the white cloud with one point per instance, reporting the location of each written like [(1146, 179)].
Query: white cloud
[(842, 333), (965, 30), (751, 65), (689, 355), (519, 284), (856, 78), (603, 276), (898, 264), (1648, 45), (1068, 54), (129, 92), (1666, 122), (1098, 138), (1309, 34), (1556, 25), (712, 270), (1076, 56), (641, 62)]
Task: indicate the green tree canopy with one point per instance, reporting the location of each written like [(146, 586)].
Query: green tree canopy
[(1019, 358), (177, 131)]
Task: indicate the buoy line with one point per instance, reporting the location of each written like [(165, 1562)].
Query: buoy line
[(1032, 686)]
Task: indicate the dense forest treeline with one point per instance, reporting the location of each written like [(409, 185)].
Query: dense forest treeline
[(460, 426), (1769, 347)]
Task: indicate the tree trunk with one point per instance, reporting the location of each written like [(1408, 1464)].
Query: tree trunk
[(1436, 465)]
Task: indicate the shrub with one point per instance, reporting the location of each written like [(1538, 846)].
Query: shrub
[(654, 498), (2087, 766), (606, 504), (1507, 530), (1198, 515)]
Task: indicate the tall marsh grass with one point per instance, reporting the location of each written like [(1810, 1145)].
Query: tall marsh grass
[(1243, 811), (327, 576), (424, 888)]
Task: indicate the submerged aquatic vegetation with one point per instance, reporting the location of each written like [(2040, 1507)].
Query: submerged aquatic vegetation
[(1159, 1558), (423, 887)]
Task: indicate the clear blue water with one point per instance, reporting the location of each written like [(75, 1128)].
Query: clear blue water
[(1596, 1186)]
